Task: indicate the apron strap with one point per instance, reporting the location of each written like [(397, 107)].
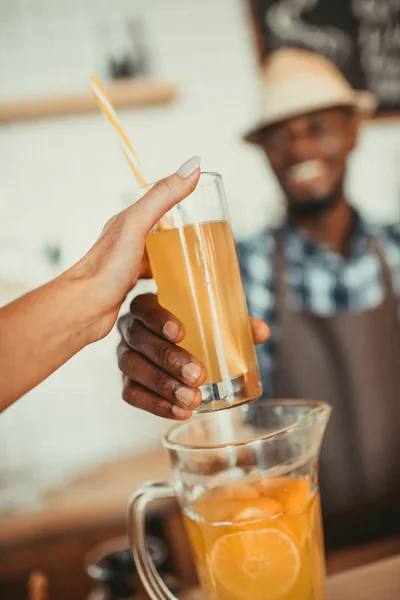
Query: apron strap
[(386, 274), (278, 276)]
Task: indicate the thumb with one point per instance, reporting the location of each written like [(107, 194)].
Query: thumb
[(165, 194)]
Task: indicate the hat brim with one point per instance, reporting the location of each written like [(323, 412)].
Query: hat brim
[(364, 102)]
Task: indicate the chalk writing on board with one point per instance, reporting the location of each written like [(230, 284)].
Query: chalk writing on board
[(379, 43), (286, 21), (362, 37)]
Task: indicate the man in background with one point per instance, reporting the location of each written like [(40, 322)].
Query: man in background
[(328, 284)]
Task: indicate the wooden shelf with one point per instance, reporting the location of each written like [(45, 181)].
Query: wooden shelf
[(124, 94)]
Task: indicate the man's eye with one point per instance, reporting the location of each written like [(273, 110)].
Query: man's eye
[(318, 127), (279, 140)]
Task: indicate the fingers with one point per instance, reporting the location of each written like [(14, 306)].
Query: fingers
[(260, 330), (172, 359), (148, 311), (159, 376), (163, 393), (164, 195), (140, 397), (132, 225)]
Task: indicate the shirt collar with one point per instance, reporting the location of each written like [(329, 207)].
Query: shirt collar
[(300, 246)]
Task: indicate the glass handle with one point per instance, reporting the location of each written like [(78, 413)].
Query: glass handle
[(151, 580)]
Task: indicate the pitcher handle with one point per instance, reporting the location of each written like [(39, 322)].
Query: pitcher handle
[(152, 582)]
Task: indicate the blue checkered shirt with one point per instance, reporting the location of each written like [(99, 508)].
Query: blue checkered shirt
[(319, 280)]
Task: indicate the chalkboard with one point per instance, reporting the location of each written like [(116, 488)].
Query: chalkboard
[(362, 37)]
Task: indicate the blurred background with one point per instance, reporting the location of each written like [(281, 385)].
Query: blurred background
[(195, 66)]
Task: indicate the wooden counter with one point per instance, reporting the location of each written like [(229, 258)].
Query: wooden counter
[(72, 521), (57, 537), (97, 499), (378, 581)]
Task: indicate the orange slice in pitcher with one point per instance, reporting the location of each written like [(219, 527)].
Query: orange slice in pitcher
[(222, 503), (296, 495), (236, 491), (258, 509), (255, 564), (271, 486)]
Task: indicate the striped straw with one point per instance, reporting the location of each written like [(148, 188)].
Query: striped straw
[(108, 110), (132, 158)]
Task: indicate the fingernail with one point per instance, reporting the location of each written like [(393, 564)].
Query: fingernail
[(189, 167), (171, 330), (191, 372), (185, 396), (179, 412)]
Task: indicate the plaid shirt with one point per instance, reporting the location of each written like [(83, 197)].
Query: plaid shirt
[(319, 280)]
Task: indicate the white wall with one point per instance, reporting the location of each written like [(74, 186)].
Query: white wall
[(60, 180)]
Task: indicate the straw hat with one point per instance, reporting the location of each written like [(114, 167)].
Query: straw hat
[(299, 81)]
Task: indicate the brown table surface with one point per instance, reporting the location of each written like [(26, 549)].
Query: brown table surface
[(375, 581), (97, 497)]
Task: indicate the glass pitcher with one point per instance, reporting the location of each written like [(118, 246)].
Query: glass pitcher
[(247, 483)]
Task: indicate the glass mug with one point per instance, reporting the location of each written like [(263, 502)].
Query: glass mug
[(194, 263), (247, 483)]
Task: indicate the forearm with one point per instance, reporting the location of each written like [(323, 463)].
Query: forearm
[(43, 329)]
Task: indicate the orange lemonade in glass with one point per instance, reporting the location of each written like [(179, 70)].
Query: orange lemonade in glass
[(195, 266), (203, 287)]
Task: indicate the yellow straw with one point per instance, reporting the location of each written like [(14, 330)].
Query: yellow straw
[(109, 111), (129, 153), (132, 158)]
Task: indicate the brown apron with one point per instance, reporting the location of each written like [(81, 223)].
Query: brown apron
[(350, 360)]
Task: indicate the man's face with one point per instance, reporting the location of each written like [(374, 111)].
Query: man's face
[(308, 155)]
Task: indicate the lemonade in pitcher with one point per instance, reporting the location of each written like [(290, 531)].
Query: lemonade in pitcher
[(247, 483), (259, 540)]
